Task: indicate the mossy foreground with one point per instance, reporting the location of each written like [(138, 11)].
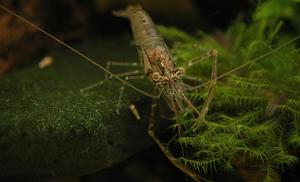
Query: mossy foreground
[(252, 126), (48, 128)]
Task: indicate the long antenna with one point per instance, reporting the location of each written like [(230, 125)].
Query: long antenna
[(248, 63), (77, 52)]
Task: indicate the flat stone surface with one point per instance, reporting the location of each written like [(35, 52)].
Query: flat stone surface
[(49, 129)]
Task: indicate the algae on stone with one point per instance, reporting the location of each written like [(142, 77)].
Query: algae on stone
[(48, 128)]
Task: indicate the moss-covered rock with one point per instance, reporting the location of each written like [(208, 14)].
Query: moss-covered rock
[(49, 129)]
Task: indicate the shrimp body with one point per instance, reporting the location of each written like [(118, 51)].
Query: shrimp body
[(155, 57)]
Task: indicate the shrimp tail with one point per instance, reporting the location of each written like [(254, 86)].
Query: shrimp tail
[(126, 12), (120, 13)]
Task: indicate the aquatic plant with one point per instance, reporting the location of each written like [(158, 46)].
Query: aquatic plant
[(253, 123)]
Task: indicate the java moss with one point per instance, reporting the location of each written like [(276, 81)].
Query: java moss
[(49, 129), (252, 125)]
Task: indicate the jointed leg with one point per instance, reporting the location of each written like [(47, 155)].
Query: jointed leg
[(189, 86), (125, 74), (120, 99), (130, 75), (92, 86), (211, 91), (198, 59), (166, 152), (109, 64), (123, 88), (192, 78), (191, 63)]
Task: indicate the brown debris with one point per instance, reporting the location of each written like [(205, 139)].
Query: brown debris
[(21, 42)]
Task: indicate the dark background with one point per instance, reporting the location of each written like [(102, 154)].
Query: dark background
[(75, 20)]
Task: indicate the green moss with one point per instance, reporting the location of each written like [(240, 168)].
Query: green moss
[(253, 121), (48, 128)]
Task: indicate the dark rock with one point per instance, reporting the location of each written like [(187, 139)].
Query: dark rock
[(49, 129)]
